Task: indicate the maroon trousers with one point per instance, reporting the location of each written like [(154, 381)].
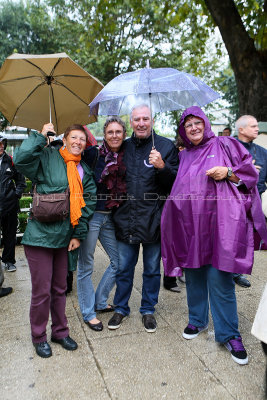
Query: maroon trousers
[(48, 269)]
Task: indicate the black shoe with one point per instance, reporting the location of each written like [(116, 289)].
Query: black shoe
[(43, 349), (242, 281), (67, 343), (149, 322), (5, 291), (95, 327), (107, 309), (115, 320)]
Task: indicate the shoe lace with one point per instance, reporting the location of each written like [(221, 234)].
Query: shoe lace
[(191, 327), (237, 344)]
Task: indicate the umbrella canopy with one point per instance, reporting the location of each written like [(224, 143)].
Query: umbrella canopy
[(163, 89), (35, 89)]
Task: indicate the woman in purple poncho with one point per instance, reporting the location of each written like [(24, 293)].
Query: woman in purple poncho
[(207, 227)]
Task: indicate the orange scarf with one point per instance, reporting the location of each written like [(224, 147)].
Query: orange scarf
[(75, 184)]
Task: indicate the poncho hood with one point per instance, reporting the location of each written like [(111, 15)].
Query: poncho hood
[(196, 112)]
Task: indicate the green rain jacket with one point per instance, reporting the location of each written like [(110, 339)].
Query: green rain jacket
[(46, 168)]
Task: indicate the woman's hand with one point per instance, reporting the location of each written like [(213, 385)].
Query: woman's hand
[(217, 173), (74, 244), (47, 128), (220, 173)]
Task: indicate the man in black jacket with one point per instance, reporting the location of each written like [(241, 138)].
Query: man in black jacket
[(12, 184), (150, 173), (248, 129)]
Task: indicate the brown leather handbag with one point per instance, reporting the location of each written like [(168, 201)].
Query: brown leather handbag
[(50, 207)]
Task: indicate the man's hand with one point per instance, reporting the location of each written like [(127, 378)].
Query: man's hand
[(258, 167), (155, 159), (74, 244)]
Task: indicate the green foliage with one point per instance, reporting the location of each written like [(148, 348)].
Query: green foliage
[(25, 202), (28, 187), (22, 219)]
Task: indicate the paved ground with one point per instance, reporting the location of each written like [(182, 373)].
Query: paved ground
[(128, 363)]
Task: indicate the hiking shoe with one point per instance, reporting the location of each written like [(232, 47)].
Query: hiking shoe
[(115, 320), (237, 350), (9, 267), (191, 331), (149, 322)]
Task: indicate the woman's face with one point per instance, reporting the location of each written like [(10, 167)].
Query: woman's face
[(75, 142), (194, 129), (114, 136)]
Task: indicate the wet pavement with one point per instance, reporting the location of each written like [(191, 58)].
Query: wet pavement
[(128, 363)]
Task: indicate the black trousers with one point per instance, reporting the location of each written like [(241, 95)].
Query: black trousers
[(9, 224)]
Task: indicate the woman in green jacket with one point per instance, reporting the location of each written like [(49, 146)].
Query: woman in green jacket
[(46, 244)]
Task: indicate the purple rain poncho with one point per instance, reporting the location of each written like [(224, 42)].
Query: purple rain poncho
[(206, 221)]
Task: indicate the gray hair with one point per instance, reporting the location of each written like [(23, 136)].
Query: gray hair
[(243, 121), (114, 118), (139, 106)]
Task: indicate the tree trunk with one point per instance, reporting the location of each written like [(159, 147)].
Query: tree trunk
[(248, 63)]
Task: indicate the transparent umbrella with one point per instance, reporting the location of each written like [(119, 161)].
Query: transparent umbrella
[(163, 89)]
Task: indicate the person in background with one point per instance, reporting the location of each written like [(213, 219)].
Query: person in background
[(109, 173), (248, 129), (207, 227), (12, 184), (46, 244), (227, 131), (150, 173)]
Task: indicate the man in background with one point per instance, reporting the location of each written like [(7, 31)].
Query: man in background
[(248, 129), (227, 131), (12, 184)]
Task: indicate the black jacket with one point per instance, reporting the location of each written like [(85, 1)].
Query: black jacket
[(259, 154), (138, 218), (12, 184)]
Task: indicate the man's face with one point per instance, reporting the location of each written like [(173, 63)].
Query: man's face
[(141, 122), (249, 132), (1, 148), (226, 132)]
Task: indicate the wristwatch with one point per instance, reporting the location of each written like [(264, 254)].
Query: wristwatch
[(230, 172)]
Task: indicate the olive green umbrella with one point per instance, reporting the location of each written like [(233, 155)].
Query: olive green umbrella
[(36, 89)]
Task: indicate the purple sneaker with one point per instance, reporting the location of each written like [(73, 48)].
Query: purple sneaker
[(237, 350), (192, 331)]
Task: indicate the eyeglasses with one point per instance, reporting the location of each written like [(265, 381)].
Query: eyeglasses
[(114, 133), (196, 124)]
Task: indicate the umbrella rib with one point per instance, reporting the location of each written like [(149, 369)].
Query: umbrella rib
[(36, 66), (69, 90), (121, 104), (55, 66), (19, 79), (41, 84)]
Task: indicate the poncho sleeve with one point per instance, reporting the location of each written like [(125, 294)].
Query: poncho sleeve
[(241, 161)]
